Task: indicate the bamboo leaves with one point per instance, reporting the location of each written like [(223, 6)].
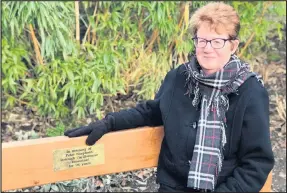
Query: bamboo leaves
[(46, 19), (125, 47)]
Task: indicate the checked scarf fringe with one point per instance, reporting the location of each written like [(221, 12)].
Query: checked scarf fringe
[(210, 95)]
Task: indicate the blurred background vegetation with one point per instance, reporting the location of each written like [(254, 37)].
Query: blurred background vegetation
[(65, 59)]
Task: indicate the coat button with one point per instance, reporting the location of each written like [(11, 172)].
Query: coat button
[(194, 125)]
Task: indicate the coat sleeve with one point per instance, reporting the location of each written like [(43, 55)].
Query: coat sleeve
[(255, 151), (146, 113)]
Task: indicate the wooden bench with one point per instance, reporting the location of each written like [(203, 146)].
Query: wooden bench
[(35, 162)]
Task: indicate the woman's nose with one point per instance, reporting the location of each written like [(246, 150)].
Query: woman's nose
[(208, 46)]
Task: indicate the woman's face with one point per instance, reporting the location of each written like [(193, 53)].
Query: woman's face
[(210, 58)]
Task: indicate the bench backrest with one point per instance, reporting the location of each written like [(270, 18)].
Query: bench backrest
[(41, 161)]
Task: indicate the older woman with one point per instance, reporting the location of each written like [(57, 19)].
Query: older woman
[(215, 114)]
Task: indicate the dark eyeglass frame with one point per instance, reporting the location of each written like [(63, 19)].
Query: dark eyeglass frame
[(206, 41)]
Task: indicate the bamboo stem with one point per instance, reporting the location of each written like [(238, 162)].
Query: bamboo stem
[(20, 101), (152, 39), (140, 21), (186, 14), (111, 104), (181, 18), (253, 33), (89, 36), (89, 27), (94, 37), (77, 15), (36, 46), (94, 31), (158, 40)]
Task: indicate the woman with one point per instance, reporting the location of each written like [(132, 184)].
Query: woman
[(215, 113)]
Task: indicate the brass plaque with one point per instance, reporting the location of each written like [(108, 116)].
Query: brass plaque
[(78, 157)]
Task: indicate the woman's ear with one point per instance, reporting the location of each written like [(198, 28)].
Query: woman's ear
[(234, 45)]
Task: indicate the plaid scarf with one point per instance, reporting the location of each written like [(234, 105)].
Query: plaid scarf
[(211, 91)]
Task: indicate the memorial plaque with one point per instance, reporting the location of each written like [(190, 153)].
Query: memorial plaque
[(69, 158)]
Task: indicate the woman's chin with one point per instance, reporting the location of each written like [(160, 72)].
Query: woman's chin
[(209, 66)]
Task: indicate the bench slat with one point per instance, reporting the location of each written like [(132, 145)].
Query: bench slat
[(30, 163)]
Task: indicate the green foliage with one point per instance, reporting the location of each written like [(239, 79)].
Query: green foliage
[(14, 70), (258, 17), (57, 131), (125, 47), (72, 86), (54, 23)]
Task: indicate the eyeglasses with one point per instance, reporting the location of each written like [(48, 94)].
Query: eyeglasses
[(216, 43)]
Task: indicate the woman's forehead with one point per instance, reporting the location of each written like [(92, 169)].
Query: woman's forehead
[(207, 33), (212, 31)]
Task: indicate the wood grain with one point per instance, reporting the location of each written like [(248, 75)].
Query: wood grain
[(30, 163)]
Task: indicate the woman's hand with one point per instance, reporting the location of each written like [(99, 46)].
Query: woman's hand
[(94, 131)]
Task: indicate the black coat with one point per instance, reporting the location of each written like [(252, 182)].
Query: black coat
[(248, 156)]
